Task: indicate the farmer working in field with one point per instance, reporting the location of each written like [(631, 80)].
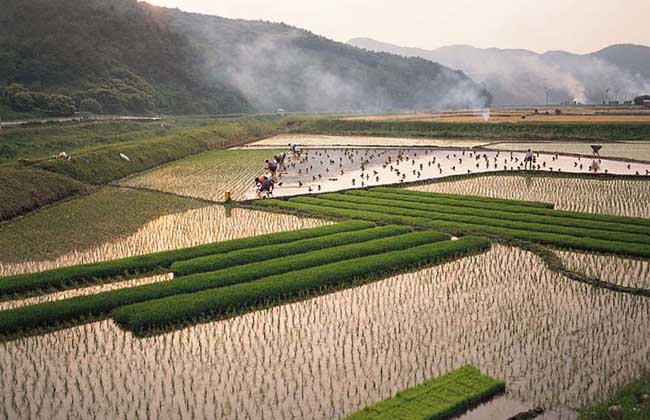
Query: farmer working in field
[(272, 166), (295, 149), (281, 158), (264, 186), (529, 159)]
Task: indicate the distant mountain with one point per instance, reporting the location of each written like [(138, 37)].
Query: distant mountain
[(522, 77), (123, 56)]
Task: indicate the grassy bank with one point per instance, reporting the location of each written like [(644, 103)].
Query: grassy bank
[(629, 402), (520, 131), (439, 398), (24, 189)]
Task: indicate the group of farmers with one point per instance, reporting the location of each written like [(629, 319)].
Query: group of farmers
[(265, 183)]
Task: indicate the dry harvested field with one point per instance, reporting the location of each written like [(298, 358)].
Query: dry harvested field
[(568, 115), (502, 311)]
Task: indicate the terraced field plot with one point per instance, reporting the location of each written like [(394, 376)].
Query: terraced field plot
[(335, 169), (312, 140), (627, 150), (327, 357), (207, 175), (620, 197)]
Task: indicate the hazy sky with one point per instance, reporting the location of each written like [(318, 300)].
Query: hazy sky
[(540, 25)]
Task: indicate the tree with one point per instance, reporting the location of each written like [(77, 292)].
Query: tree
[(91, 105), (641, 100)]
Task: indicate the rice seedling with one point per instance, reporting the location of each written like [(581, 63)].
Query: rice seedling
[(630, 150), (330, 356), (609, 268), (616, 197), (438, 398)]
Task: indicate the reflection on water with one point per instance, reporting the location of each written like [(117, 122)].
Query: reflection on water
[(556, 342), (627, 272)]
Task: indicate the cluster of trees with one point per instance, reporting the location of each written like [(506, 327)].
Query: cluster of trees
[(642, 100), (22, 99)]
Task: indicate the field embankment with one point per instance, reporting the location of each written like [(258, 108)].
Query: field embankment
[(520, 131), (24, 189)]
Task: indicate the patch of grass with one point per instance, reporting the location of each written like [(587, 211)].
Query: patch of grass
[(439, 398), (24, 189), (631, 402), (520, 131), (397, 254), (88, 273)]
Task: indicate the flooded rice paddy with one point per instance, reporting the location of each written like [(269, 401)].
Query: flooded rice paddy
[(557, 343), (189, 228), (309, 140), (627, 150), (612, 269), (334, 169), (621, 197)]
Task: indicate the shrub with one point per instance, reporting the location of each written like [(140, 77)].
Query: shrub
[(87, 273), (182, 308), (91, 105)]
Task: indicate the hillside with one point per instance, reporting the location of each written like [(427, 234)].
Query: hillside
[(522, 77), (124, 56)]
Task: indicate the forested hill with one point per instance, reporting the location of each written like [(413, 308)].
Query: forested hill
[(121, 56)]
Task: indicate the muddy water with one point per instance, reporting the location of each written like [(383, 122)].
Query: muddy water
[(335, 169), (617, 197), (307, 140), (557, 343), (630, 150), (190, 228)]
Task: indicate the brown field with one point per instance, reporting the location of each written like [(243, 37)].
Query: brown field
[(569, 115)]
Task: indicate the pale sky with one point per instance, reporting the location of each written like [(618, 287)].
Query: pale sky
[(579, 26)]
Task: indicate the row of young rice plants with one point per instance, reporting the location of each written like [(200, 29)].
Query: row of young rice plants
[(498, 204), (328, 208), (601, 230), (476, 199), (436, 399), (338, 200), (29, 318), (163, 313), (67, 277)]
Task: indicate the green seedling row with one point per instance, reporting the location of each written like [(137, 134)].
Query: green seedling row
[(480, 220), (29, 318), (89, 273), (494, 204), (631, 232), (183, 308), (437, 399), (469, 198), (257, 254)]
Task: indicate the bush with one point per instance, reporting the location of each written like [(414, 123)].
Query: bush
[(249, 255), (182, 308), (91, 105), (31, 317), (88, 273)]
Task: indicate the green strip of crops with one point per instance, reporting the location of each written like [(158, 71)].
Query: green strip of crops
[(479, 220), (257, 254), (378, 217), (632, 233), (89, 273), (182, 308), (29, 318), (477, 199), (494, 204), (436, 399)]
